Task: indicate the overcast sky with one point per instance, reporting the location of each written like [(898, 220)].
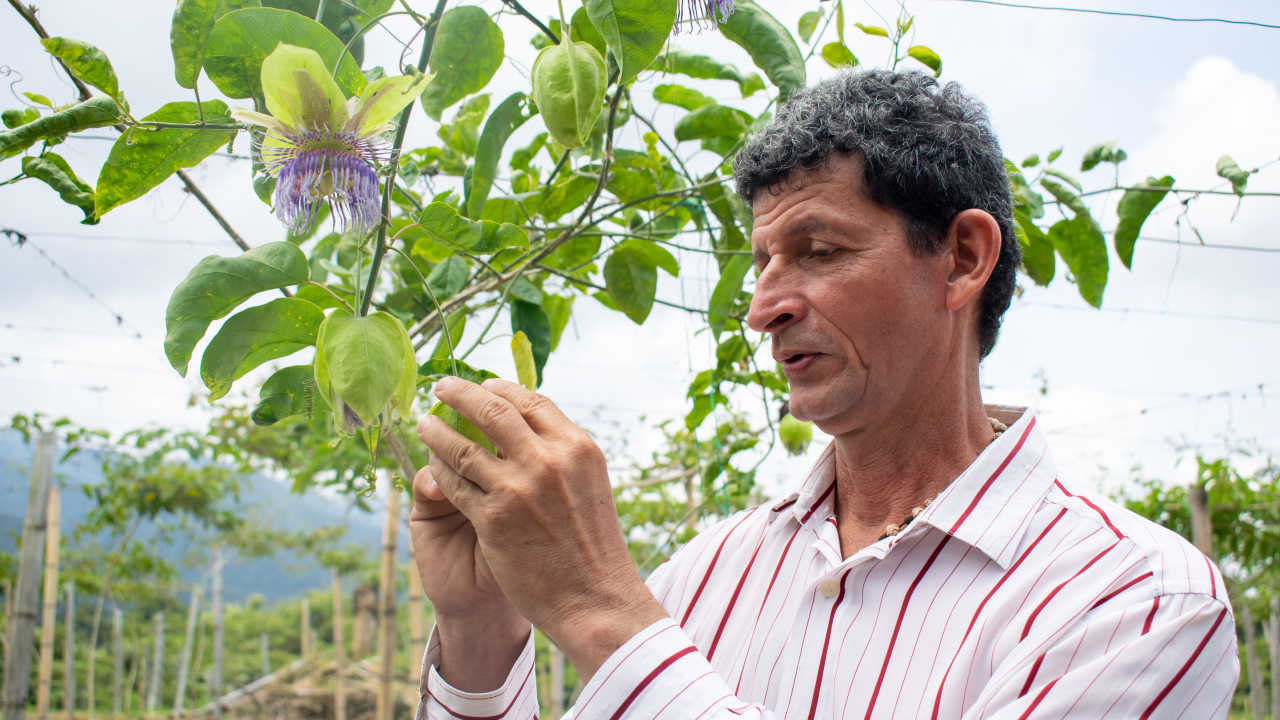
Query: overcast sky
[(1181, 356)]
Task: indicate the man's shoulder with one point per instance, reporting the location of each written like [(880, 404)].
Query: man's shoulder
[(1171, 563)]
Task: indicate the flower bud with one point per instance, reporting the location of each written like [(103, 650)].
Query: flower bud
[(795, 435), (568, 87)]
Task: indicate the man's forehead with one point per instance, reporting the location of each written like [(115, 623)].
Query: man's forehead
[(841, 171)]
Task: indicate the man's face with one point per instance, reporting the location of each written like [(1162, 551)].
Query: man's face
[(858, 321)]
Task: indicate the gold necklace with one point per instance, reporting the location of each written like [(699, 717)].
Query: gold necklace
[(892, 529)]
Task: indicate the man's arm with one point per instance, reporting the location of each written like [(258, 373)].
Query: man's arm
[(1172, 656)]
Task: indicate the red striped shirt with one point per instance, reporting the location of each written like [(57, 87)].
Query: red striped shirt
[(1014, 595)]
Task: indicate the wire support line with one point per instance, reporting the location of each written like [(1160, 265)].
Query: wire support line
[(1145, 311), (69, 331), (129, 238), (1187, 398), (1115, 13), (1210, 246), (11, 360)]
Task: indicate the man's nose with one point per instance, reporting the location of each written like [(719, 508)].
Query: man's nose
[(776, 302)]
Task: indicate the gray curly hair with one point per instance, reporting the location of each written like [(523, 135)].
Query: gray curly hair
[(928, 152)]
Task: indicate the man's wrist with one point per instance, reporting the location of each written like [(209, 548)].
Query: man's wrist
[(478, 650), (589, 636)]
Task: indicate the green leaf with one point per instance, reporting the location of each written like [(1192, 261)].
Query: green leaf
[(565, 196), (712, 121), (872, 30), (1229, 170), (257, 335), (87, 63), (731, 237), (702, 406), (681, 97), (1031, 161), (521, 158), (1054, 155), (631, 277), (1037, 250), (502, 122), (365, 361), (38, 98), (1064, 177), (288, 392), (1135, 205), (241, 40), (808, 23), (532, 320), (726, 291), (141, 160), (457, 324), (468, 50), (522, 353), (444, 225), (581, 30), (524, 290), (448, 277), (770, 46), (96, 112), (657, 254), (437, 368), (926, 56), (54, 172), (463, 426), (1080, 243), (188, 36), (558, 309), (676, 60), (1100, 153), (634, 31), (217, 285), (1065, 196), (837, 55)]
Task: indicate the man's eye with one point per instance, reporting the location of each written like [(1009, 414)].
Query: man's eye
[(822, 253)]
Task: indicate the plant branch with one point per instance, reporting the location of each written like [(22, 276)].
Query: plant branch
[(402, 455), (594, 286), (28, 13), (380, 250), (514, 5)]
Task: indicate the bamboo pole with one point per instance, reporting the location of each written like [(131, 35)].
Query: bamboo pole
[(8, 619), (1201, 520), (49, 621), (385, 705), (117, 658), (69, 654), (557, 681), (218, 628), (264, 649), (142, 679), (184, 663), (305, 617), (17, 676), (157, 664), (339, 652), (1257, 694), (417, 641), (1273, 644)]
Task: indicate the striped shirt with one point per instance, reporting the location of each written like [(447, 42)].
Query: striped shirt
[(1015, 595)]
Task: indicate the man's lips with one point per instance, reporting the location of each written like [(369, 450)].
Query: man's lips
[(797, 362)]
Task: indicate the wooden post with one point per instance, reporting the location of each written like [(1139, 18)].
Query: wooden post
[(142, 679), (184, 663), (218, 628), (69, 654), (8, 619), (387, 603), (557, 680), (157, 664), (339, 652), (417, 640), (117, 658), (306, 626), (264, 649), (17, 675), (1257, 694), (1201, 521), (49, 615), (691, 515), (1273, 644)]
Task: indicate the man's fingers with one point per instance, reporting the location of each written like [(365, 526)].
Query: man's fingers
[(463, 456), (542, 415), (495, 416), (459, 491)]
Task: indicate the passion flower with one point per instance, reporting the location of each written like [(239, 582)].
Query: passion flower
[(569, 82), (365, 368), (701, 14), (320, 146)]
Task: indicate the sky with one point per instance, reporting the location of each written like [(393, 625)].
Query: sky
[(1180, 360)]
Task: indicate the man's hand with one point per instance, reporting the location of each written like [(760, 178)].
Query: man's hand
[(481, 633), (544, 517)]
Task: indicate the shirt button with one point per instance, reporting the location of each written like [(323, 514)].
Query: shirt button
[(829, 588)]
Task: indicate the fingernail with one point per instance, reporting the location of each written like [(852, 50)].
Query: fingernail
[(444, 384), (487, 384)]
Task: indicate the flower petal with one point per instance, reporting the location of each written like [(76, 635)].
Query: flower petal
[(299, 91), (384, 99), (256, 118)]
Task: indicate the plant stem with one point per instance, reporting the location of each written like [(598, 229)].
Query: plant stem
[(514, 5), (335, 295), (320, 12), (444, 321), (394, 162)]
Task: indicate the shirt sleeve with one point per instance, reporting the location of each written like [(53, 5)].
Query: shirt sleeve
[(517, 698), (1171, 656)]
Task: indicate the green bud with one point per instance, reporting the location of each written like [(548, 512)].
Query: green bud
[(568, 87), (795, 435), (12, 118)]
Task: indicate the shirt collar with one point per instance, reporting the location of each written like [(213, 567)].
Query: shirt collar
[(989, 506)]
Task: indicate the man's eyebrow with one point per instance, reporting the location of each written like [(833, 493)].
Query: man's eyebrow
[(805, 226)]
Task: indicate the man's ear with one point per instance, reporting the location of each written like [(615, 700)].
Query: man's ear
[(973, 241)]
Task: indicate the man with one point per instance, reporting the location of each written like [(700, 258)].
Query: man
[(932, 565)]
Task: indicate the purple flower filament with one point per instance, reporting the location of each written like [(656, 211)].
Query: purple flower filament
[(701, 14), (314, 166)]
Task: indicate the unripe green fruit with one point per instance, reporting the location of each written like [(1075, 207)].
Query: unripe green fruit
[(12, 118), (568, 87), (795, 435)]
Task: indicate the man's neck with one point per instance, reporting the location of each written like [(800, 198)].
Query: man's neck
[(884, 472)]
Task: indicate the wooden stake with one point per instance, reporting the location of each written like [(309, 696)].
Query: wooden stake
[(184, 663), (157, 664), (142, 679), (69, 655), (417, 640), (17, 675), (264, 649), (8, 618), (306, 626), (1201, 522), (1273, 644), (387, 604), (1257, 694), (557, 681), (339, 652), (49, 616), (117, 658), (218, 629)]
